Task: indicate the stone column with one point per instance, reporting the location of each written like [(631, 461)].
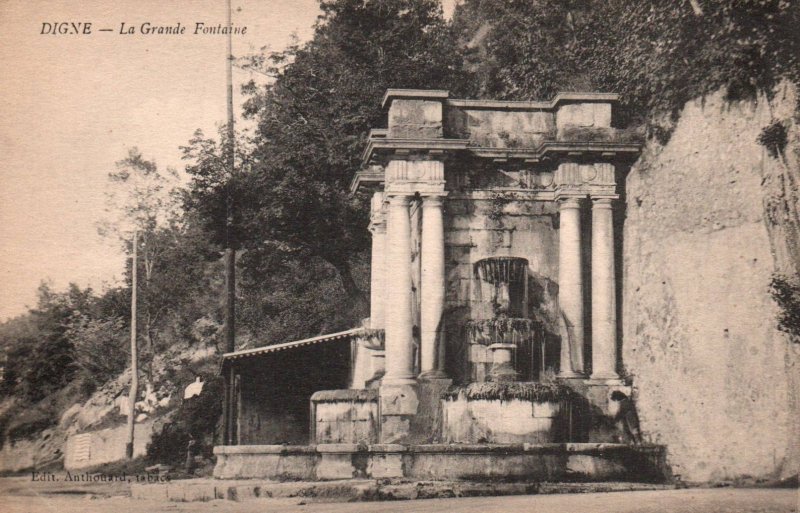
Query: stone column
[(604, 319), (378, 264), (570, 287), (399, 344), (432, 285)]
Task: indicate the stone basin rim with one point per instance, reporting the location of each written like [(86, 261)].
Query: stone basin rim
[(573, 447)]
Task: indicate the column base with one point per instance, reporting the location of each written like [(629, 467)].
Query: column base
[(571, 375), (605, 379), (398, 405), (398, 382), (431, 375)]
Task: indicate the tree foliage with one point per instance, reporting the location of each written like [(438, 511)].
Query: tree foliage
[(656, 54), (40, 355), (313, 121), (786, 293)]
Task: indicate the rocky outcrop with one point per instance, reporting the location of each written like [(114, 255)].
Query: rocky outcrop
[(99, 421), (710, 217)]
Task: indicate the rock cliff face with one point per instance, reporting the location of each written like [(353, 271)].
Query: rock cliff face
[(710, 216)]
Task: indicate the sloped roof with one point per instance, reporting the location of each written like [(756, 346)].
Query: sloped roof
[(258, 351)]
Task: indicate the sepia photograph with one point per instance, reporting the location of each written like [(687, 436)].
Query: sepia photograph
[(400, 256)]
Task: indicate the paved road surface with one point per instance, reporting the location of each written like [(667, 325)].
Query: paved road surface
[(18, 497)]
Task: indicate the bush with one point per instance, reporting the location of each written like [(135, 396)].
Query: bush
[(774, 137), (195, 418), (100, 348), (786, 293)]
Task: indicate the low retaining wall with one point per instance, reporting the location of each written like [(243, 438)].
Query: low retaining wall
[(531, 462), (92, 448), (345, 416), (495, 421)]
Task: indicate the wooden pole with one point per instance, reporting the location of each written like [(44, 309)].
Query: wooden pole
[(230, 251), (134, 352)]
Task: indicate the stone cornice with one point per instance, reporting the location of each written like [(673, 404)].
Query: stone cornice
[(436, 147), (534, 105), (551, 148), (442, 95), (364, 176), (548, 148), (387, 146), (414, 94)]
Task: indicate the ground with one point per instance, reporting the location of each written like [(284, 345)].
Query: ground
[(20, 495)]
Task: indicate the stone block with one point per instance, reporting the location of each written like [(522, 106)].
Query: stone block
[(415, 119), (457, 207), (464, 222), (395, 428), (335, 465), (399, 399), (589, 114), (458, 238), (385, 465), (336, 448), (587, 465)]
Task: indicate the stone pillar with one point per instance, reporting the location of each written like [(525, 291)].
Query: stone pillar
[(362, 365), (378, 264), (604, 320), (502, 369), (570, 287), (432, 286), (399, 345)]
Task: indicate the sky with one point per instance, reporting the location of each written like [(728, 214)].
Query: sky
[(71, 106)]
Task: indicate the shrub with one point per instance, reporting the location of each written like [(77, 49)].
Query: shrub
[(774, 137), (786, 292), (195, 418)]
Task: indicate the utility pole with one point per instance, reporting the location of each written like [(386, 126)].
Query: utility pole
[(134, 351), (228, 410), (230, 251)]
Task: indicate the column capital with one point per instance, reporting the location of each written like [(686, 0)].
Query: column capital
[(433, 200), (569, 202), (603, 201), (398, 198)]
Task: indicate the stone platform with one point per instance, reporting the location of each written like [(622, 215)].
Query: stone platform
[(358, 490), (478, 462)]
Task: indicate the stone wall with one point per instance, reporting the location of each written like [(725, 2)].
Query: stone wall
[(448, 462), (496, 421), (46, 450), (714, 379), (345, 416), (479, 224), (93, 448)]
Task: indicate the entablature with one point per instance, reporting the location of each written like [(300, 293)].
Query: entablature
[(428, 125)]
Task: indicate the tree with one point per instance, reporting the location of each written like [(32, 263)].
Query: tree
[(314, 118), (142, 200), (100, 349), (40, 356), (657, 54)]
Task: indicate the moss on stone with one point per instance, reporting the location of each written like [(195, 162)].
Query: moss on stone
[(524, 391), (345, 395)]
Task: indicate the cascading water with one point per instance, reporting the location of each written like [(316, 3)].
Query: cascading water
[(505, 327)]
